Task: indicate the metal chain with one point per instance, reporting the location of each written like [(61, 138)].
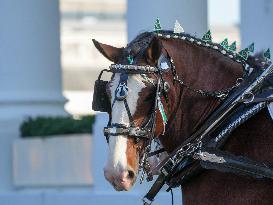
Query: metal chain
[(187, 150), (221, 94)]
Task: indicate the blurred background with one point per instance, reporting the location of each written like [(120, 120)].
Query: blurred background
[(48, 66)]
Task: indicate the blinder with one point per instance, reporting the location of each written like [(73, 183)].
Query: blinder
[(101, 101)]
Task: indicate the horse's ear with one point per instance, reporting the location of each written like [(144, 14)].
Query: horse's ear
[(109, 52), (154, 51)]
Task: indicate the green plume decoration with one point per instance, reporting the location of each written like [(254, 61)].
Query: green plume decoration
[(157, 25), (244, 53), (224, 43), (267, 54), (232, 47), (207, 37), (251, 48)]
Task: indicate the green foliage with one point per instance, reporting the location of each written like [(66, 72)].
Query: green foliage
[(47, 126)]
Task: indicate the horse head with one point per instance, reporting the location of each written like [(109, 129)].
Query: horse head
[(163, 86), (132, 101)]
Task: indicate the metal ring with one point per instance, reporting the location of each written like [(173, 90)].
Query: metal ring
[(239, 81), (248, 98)]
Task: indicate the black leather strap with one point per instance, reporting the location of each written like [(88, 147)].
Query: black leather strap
[(131, 120), (158, 184), (223, 161)]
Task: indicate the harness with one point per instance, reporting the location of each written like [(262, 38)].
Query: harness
[(200, 151)]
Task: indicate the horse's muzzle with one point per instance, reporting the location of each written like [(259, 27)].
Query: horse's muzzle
[(122, 181)]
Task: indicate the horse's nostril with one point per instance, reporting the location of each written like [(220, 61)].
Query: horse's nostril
[(131, 174)]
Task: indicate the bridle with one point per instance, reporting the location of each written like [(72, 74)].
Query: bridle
[(145, 131)]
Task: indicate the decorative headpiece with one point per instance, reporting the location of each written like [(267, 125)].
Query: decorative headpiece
[(225, 49), (207, 36), (267, 54), (224, 43), (178, 28), (244, 53), (232, 47), (251, 48), (157, 25)]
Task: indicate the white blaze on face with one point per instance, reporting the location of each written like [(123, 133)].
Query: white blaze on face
[(117, 160)]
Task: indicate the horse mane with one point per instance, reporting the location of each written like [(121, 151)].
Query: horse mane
[(142, 41)]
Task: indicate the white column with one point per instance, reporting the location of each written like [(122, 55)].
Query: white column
[(256, 23), (141, 15), (30, 74)]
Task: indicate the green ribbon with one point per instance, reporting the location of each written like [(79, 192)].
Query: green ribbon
[(130, 59), (162, 112)]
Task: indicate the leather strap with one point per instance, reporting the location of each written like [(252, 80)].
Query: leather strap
[(157, 185), (156, 152), (211, 158), (118, 129)]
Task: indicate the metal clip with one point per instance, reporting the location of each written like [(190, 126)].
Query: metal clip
[(146, 201), (248, 98), (239, 81), (222, 96), (205, 156), (122, 91)]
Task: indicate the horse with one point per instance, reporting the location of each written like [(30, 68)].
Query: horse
[(205, 69)]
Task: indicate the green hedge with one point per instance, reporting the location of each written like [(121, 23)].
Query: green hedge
[(47, 126)]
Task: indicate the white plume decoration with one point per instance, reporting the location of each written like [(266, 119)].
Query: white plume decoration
[(178, 28)]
